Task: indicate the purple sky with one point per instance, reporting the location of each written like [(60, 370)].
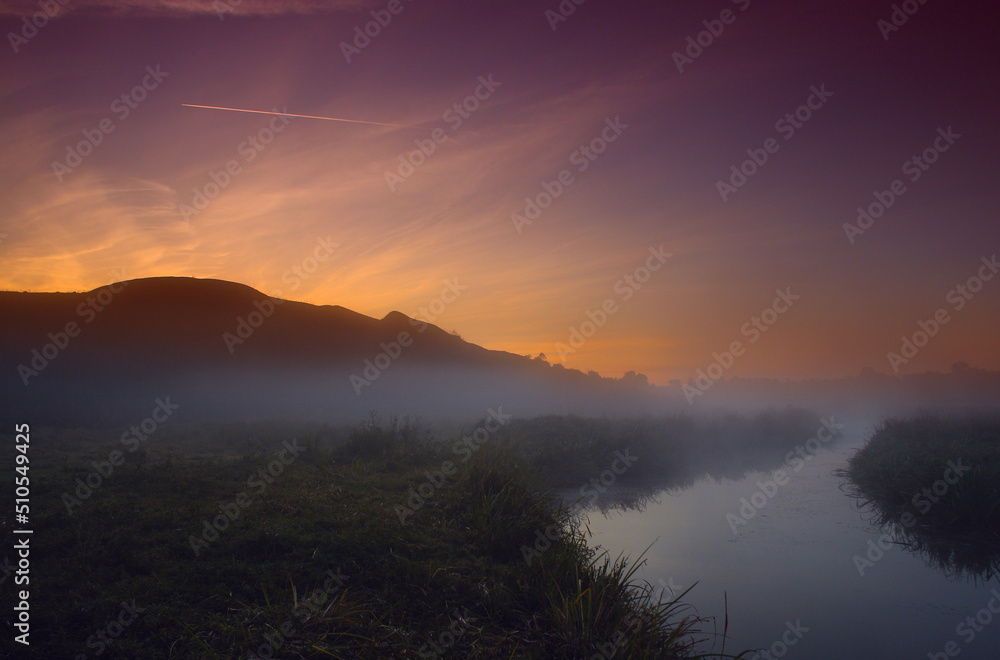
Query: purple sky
[(128, 207)]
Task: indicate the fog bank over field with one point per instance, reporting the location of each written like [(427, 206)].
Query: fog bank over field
[(961, 389), (223, 351)]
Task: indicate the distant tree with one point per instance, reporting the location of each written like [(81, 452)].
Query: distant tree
[(634, 379)]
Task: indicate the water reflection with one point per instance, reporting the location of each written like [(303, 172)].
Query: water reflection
[(636, 494), (971, 554)]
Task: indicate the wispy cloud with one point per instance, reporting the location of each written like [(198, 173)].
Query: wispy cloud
[(178, 8)]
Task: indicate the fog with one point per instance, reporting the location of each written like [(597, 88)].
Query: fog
[(465, 393)]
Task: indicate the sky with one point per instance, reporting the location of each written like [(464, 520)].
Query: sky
[(579, 192)]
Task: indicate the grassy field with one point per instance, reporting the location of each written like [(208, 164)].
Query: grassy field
[(385, 540), (936, 482)]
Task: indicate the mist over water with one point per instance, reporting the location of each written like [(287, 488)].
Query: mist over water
[(775, 550)]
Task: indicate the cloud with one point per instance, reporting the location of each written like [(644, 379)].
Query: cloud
[(180, 8)]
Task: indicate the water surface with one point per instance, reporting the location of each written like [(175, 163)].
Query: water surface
[(793, 563)]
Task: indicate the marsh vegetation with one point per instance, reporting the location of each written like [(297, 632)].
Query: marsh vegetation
[(388, 539), (934, 483)]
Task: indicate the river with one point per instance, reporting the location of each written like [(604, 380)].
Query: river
[(805, 576)]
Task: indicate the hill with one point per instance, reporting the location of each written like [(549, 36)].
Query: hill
[(223, 350)]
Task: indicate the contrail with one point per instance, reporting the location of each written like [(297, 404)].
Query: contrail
[(288, 114)]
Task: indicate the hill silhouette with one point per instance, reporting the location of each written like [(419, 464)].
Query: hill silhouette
[(224, 350)]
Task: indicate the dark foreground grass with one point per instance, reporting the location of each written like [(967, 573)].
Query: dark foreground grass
[(936, 481), (328, 554)]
